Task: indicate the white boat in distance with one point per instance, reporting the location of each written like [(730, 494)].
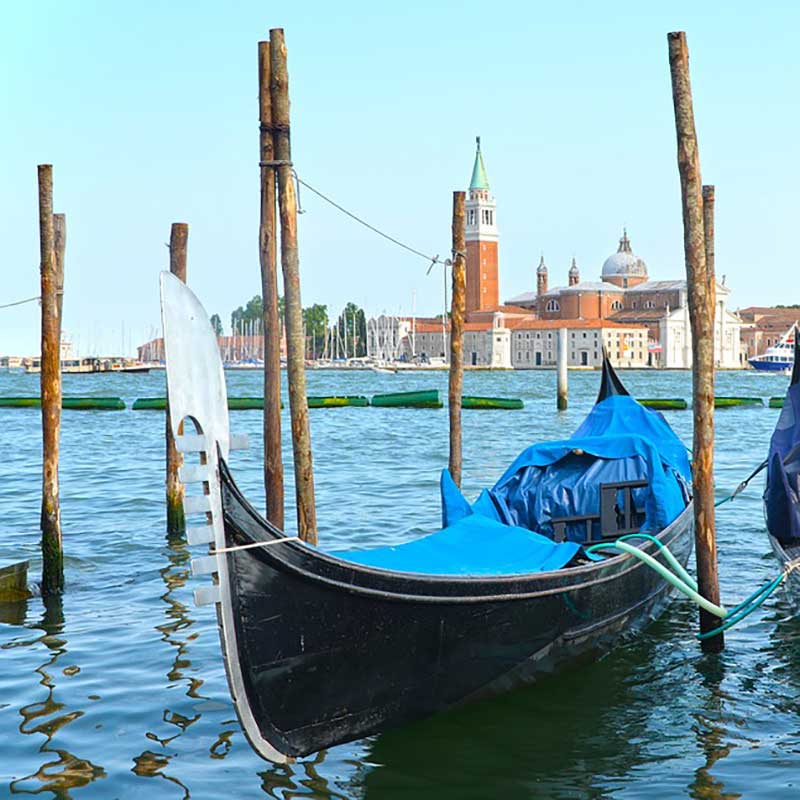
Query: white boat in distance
[(779, 357)]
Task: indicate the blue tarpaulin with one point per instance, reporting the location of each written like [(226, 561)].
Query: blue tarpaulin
[(508, 529), (782, 494)]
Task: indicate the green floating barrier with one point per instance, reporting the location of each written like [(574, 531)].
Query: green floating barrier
[(731, 402), (257, 403), (776, 402), (337, 402), (471, 401), (76, 403), (664, 403), (424, 399), (150, 403), (245, 403)]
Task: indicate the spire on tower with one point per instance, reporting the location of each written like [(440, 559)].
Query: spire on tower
[(479, 178), (574, 273), (541, 277)]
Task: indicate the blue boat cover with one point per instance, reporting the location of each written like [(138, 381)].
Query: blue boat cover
[(508, 529), (782, 494), (475, 545)]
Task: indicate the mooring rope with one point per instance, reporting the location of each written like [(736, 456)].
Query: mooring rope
[(743, 485), (685, 584), (20, 302), (253, 545), (431, 259)]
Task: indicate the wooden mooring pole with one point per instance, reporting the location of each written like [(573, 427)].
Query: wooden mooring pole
[(50, 382), (702, 302), (273, 458), (290, 264), (176, 522), (457, 313), (561, 366)]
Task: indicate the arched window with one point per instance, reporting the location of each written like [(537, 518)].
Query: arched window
[(552, 305), (649, 304), (616, 305)]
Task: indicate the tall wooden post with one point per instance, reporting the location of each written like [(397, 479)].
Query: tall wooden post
[(176, 522), (60, 246), (457, 313), (702, 303), (561, 367), (50, 379), (290, 264), (273, 458)]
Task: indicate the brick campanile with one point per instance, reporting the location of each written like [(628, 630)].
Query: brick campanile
[(482, 237)]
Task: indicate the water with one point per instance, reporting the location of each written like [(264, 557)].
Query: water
[(119, 690)]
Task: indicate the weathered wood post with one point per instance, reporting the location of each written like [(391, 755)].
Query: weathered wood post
[(457, 313), (50, 383), (702, 302), (176, 523), (561, 366), (290, 264), (273, 458), (60, 245)]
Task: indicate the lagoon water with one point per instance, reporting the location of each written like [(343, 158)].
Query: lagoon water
[(118, 690)]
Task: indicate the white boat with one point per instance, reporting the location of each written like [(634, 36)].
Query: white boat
[(778, 358)]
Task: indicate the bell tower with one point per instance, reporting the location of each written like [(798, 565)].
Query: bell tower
[(482, 237)]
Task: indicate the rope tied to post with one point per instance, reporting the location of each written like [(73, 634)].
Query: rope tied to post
[(22, 302)]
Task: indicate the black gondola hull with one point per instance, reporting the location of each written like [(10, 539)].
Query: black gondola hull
[(329, 651)]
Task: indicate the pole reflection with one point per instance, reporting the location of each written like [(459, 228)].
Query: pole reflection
[(64, 771), (176, 632), (709, 727)]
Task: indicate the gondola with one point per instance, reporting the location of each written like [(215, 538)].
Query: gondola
[(782, 492), (325, 648)]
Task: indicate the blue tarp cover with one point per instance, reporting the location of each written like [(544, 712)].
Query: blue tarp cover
[(781, 495), (475, 545), (507, 530)]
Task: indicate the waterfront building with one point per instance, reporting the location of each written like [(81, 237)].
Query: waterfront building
[(626, 295), (530, 343), (764, 326)]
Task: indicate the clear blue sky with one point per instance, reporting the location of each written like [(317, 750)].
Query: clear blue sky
[(148, 112)]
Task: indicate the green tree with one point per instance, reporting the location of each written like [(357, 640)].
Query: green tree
[(315, 322), (216, 325), (252, 311), (353, 322)]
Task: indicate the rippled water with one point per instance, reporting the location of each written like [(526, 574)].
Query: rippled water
[(118, 690)]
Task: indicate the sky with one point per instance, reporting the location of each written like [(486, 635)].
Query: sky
[(148, 112)]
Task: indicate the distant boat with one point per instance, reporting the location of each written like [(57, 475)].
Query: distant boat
[(90, 366), (779, 357), (324, 648)]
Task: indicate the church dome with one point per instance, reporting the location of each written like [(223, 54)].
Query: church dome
[(624, 263)]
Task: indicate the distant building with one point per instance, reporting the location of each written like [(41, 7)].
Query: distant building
[(624, 294), (530, 343), (764, 327)]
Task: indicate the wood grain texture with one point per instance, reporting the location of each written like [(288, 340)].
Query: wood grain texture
[(50, 382), (176, 522), (702, 303), (267, 238), (290, 265), (457, 314)]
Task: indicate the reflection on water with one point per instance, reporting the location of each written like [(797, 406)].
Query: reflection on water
[(301, 779), (711, 731), (175, 632), (120, 691), (46, 718)]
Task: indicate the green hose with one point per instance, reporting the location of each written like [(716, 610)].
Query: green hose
[(665, 551), (685, 584), (667, 575)]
